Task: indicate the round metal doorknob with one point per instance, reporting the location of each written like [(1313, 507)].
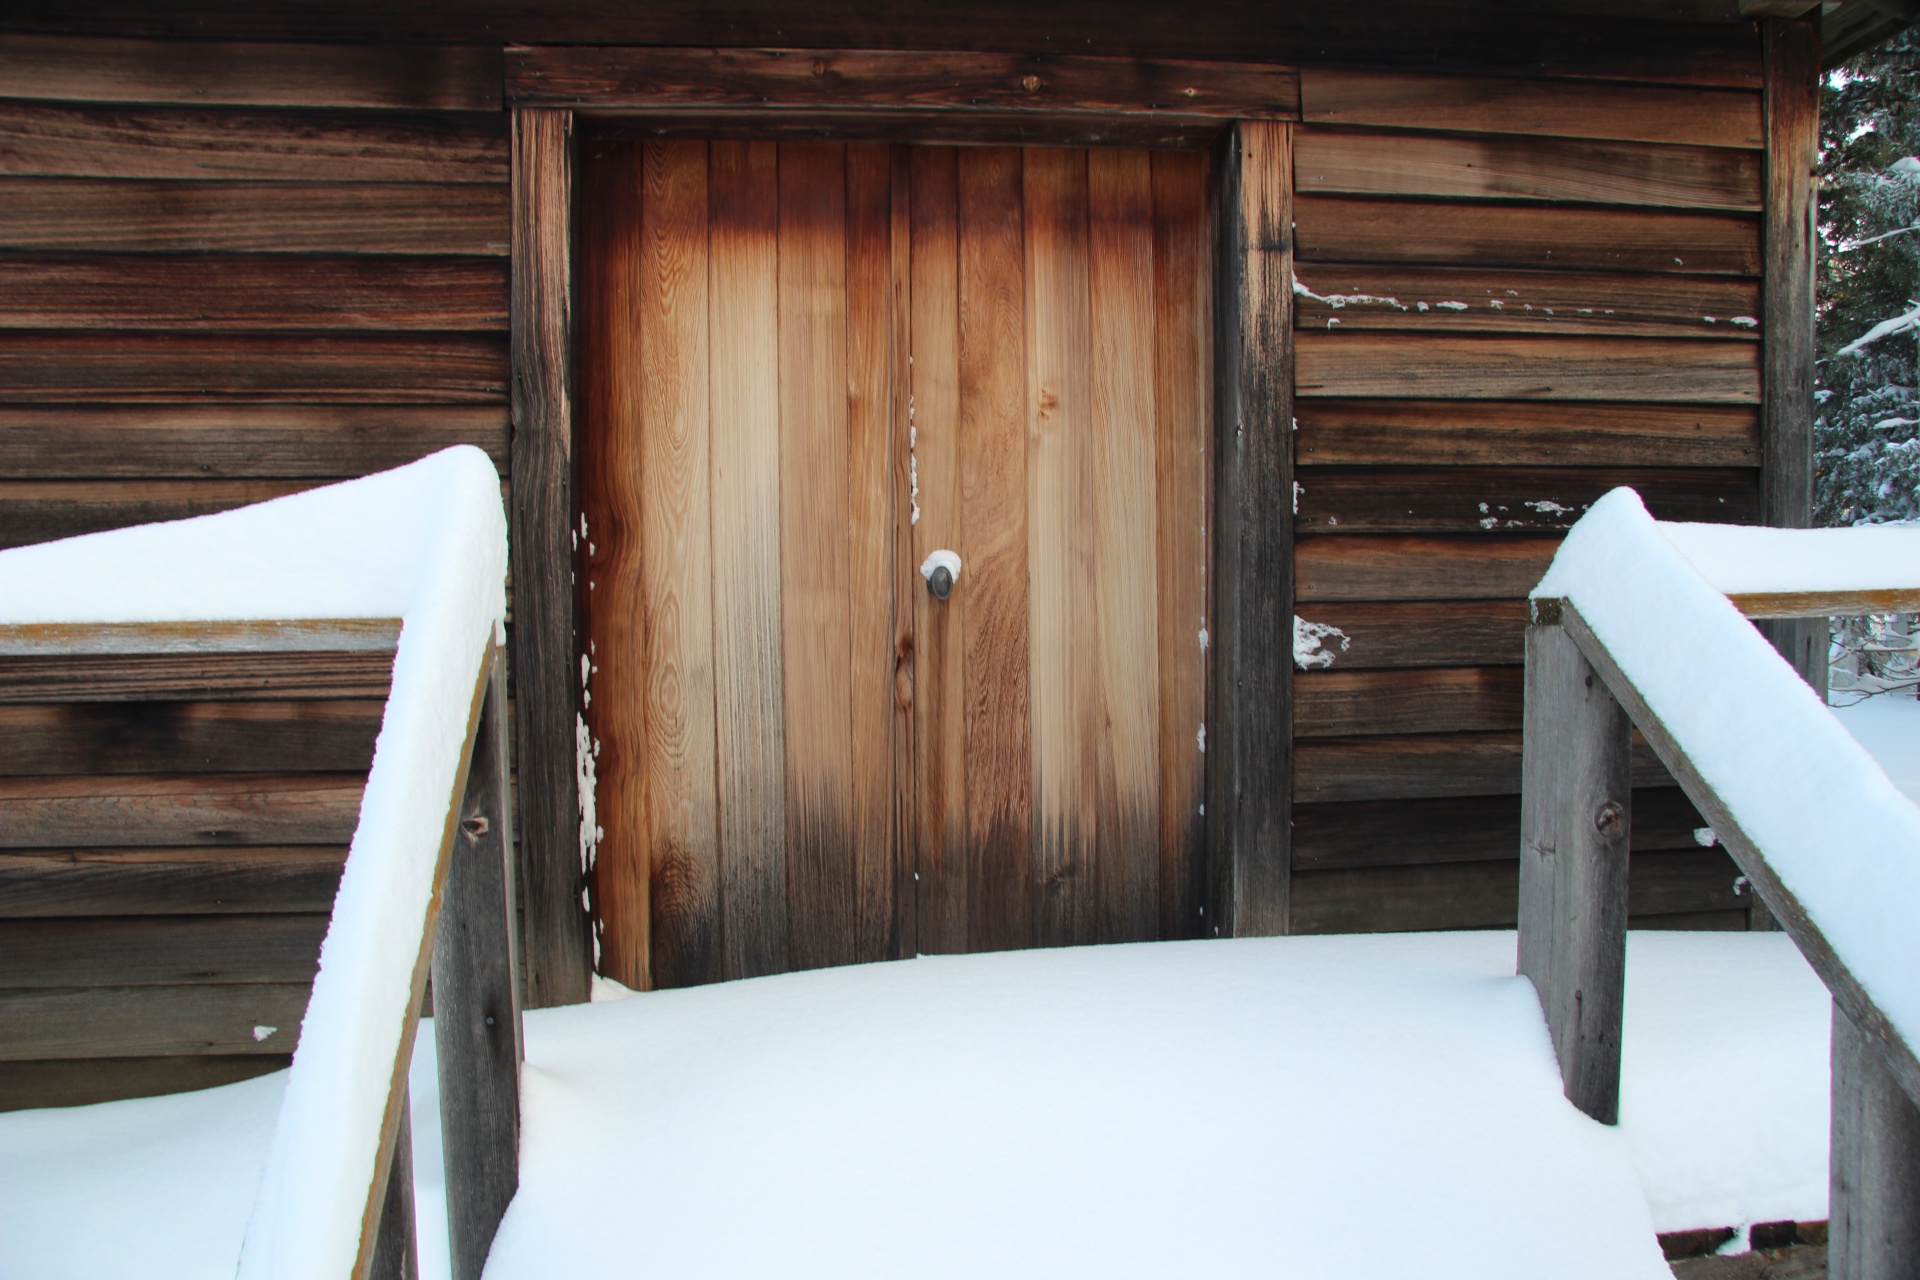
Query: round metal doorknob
[(941, 570)]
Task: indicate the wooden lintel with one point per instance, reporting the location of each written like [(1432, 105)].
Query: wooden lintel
[(669, 79), (309, 635)]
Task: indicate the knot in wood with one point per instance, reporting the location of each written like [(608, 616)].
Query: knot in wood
[(476, 826), (819, 66), (1610, 819), (1031, 84)]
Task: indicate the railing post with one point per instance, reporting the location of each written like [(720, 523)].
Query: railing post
[(1575, 815), (476, 1000), (1874, 1167), (396, 1250)]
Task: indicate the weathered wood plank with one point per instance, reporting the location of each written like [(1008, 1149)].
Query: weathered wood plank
[(1361, 637), (1426, 766), (1250, 764), (743, 398), (936, 459), (816, 597), (236, 441), (1122, 310), (1874, 1163), (1333, 704), (905, 576), (1475, 300), (231, 809), (354, 674), (669, 79), (333, 736), (135, 216), (1500, 368), (546, 654), (1155, 130), (187, 881), (396, 1250), (160, 950), (131, 1022), (254, 292), (421, 77), (992, 461), (40, 511), (69, 367), (1510, 499), (1559, 108), (72, 1082), (1516, 168), (1415, 568), (871, 493), (256, 636), (1824, 604), (56, 140), (1522, 433), (1183, 391)]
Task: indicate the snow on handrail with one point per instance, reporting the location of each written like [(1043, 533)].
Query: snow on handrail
[(425, 543), (1832, 845)]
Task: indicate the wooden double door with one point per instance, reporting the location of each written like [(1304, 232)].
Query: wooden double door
[(805, 368)]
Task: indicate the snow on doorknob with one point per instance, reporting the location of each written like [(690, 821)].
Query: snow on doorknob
[(941, 570)]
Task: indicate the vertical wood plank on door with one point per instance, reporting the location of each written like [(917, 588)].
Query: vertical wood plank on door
[(1064, 681), (870, 492), (992, 462), (677, 576), (745, 468), (1182, 370), (906, 780), (939, 671), (1124, 628), (816, 634), (614, 554)]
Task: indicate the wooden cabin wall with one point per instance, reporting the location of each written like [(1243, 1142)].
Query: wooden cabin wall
[(1513, 296)]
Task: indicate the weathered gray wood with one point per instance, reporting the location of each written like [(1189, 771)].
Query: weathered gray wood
[(44, 883), (396, 1253), (1250, 756), (160, 950), (1575, 819), (331, 735), (1873, 1187), (542, 557), (319, 635), (75, 1082), (139, 1022), (147, 677), (476, 1003), (204, 809)]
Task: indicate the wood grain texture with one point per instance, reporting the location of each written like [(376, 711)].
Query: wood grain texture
[(233, 809), (160, 950), (131, 1022), (1423, 766), (1510, 499), (1183, 474), (816, 601), (1366, 637), (1559, 108), (67, 367), (546, 653), (1499, 368), (913, 127), (238, 441), (1468, 300), (748, 594), (70, 1082), (1122, 309), (182, 881), (905, 578), (1492, 167), (825, 79), (941, 865), (422, 77), (57, 140), (1874, 1161), (1335, 228), (165, 216), (280, 736), (255, 292), (40, 511), (1523, 434), (992, 462), (361, 674), (1333, 704), (1387, 568)]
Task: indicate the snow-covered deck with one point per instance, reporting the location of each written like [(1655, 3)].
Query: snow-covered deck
[(1345, 1106)]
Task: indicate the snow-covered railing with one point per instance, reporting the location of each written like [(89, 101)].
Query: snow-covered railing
[(1644, 624), (424, 544)]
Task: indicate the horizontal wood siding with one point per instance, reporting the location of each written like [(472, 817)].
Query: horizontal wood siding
[(1513, 296)]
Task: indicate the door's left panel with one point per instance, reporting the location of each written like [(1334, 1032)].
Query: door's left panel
[(737, 536)]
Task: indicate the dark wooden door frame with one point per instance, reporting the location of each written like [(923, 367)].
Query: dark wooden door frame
[(1242, 111)]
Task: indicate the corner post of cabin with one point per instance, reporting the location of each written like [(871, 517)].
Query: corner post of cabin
[(476, 1004), (1250, 750), (1575, 820), (542, 556), (1874, 1163), (1791, 56)]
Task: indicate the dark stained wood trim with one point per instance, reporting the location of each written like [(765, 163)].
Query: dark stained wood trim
[(656, 79), (1249, 762), (542, 558), (1159, 130)]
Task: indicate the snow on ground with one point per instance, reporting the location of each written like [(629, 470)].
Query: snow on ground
[(1351, 1106)]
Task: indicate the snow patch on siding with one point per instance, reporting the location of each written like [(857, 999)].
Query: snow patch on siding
[(1311, 643)]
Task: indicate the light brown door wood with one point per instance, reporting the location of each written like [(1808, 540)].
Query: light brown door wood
[(808, 366)]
